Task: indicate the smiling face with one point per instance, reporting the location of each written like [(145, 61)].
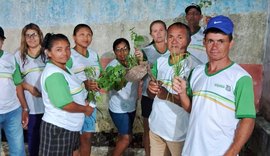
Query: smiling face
[(32, 38), (83, 37), (158, 32), (59, 53), (177, 40), (121, 52), (217, 46)]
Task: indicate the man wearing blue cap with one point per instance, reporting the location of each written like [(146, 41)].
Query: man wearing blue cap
[(219, 97)]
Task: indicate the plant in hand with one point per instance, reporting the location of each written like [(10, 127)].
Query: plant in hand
[(177, 64), (138, 40), (113, 78), (90, 73)]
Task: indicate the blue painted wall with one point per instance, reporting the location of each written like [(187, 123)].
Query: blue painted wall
[(15, 14)]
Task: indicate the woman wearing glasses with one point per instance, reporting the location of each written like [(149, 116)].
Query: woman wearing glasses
[(31, 61), (122, 103)]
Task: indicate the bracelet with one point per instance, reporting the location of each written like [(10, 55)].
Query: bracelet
[(25, 109)]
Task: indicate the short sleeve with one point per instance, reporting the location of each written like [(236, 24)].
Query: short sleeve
[(244, 98), (58, 90), (17, 77)]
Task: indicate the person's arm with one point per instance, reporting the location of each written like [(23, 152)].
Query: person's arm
[(60, 96), (25, 110), (17, 78), (153, 89), (73, 107), (91, 85), (243, 131), (245, 110), (138, 54), (32, 89), (180, 86), (165, 95)]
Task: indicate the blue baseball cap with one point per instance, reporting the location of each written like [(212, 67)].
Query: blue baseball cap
[(222, 23)]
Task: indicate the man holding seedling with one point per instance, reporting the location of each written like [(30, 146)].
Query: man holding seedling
[(219, 97), (168, 122)]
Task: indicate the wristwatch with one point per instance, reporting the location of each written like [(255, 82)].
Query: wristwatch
[(25, 109)]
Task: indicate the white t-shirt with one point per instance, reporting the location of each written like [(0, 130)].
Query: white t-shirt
[(57, 116), (167, 119), (196, 47), (31, 72), (8, 97), (152, 55), (214, 115), (124, 100), (80, 62)]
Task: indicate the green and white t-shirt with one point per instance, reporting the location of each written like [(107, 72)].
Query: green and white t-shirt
[(218, 102), (124, 100), (60, 88), (151, 54), (169, 120), (31, 72), (9, 77), (77, 63), (196, 47)]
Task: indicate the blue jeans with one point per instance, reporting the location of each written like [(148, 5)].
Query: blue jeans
[(11, 124)]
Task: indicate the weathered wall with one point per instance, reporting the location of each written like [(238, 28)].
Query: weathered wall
[(111, 19), (265, 99)]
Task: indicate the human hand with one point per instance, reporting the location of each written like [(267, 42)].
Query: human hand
[(162, 93), (89, 110), (25, 119), (35, 92), (92, 85), (154, 87), (179, 85), (32, 89), (138, 54)]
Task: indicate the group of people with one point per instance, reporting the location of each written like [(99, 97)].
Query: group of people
[(195, 99)]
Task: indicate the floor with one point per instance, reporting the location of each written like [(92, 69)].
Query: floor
[(96, 151)]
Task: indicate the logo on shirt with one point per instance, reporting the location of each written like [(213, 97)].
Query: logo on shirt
[(226, 87)]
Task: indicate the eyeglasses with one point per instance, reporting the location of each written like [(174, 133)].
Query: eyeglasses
[(125, 49), (31, 36)]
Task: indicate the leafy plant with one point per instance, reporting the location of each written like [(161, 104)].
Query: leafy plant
[(90, 73), (131, 61), (138, 40), (177, 65), (113, 78)]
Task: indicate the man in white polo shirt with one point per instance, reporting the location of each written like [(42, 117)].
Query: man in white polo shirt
[(219, 97)]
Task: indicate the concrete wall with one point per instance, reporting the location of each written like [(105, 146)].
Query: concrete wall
[(111, 19), (265, 99)]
